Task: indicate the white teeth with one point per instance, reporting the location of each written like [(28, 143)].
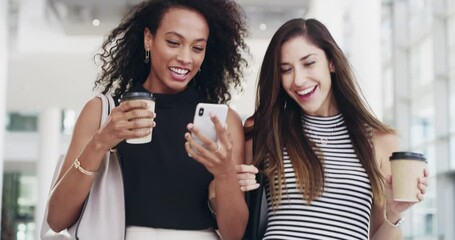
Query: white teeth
[(180, 71), (306, 90)]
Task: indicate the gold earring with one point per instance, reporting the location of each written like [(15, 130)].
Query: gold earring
[(147, 56)]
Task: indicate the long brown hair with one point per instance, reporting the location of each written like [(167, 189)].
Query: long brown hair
[(277, 117)]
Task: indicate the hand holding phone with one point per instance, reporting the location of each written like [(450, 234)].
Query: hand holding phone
[(203, 122)]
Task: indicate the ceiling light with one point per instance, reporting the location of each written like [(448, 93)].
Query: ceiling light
[(263, 26), (96, 22)]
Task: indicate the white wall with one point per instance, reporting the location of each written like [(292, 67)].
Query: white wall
[(48, 68)]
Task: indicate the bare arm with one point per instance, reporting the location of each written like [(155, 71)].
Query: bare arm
[(232, 212), (89, 143), (384, 145), (224, 193)]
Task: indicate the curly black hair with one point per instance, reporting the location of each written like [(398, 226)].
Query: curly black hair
[(122, 53)]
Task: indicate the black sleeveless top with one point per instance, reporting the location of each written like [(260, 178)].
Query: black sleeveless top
[(164, 188)]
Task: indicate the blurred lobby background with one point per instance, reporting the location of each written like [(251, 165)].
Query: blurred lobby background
[(402, 51)]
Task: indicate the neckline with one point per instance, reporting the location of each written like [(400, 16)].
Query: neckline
[(188, 96), (321, 130), (323, 120)]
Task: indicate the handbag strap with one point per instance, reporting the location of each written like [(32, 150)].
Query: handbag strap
[(108, 105)]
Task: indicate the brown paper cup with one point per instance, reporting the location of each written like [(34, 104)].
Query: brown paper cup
[(407, 167), (150, 100)]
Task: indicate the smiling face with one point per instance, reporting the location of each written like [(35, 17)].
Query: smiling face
[(177, 50), (305, 72)]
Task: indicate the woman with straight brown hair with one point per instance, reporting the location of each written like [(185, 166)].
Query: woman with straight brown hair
[(324, 155)]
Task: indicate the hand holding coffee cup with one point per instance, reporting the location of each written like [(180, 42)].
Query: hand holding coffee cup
[(407, 167), (150, 101)]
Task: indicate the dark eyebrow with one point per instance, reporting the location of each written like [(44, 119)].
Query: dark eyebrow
[(301, 59), (307, 56), (182, 37)]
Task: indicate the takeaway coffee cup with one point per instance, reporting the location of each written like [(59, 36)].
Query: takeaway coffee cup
[(407, 167), (150, 100)]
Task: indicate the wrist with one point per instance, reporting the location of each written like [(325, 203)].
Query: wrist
[(226, 175), (392, 216), (393, 220), (97, 145)]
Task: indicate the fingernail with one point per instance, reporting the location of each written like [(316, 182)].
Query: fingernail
[(189, 126)]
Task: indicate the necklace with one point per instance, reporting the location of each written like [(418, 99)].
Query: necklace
[(323, 140)]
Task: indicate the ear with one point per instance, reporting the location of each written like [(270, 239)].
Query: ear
[(148, 39), (331, 67)]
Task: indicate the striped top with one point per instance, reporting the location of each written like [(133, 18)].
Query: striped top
[(344, 208)]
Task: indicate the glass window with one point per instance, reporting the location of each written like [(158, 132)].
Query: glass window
[(388, 95), (422, 121), (18, 206), (452, 152), (69, 119), (451, 43), (421, 66), (22, 122), (422, 93), (420, 16), (422, 216)]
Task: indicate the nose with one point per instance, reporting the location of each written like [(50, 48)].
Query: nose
[(184, 56), (300, 77)]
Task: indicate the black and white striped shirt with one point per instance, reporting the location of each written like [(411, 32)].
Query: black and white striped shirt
[(344, 208)]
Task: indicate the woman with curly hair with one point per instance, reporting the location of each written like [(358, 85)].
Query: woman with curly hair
[(184, 52)]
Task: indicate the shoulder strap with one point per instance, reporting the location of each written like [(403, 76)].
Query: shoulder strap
[(108, 105)]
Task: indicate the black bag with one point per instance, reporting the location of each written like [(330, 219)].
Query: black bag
[(257, 206)]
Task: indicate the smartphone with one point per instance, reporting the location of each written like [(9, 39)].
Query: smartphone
[(203, 122)]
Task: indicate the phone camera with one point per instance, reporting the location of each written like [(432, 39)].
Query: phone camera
[(201, 111)]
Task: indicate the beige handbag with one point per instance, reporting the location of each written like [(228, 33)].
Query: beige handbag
[(103, 214)]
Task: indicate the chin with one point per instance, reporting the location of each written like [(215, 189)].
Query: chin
[(177, 86)]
